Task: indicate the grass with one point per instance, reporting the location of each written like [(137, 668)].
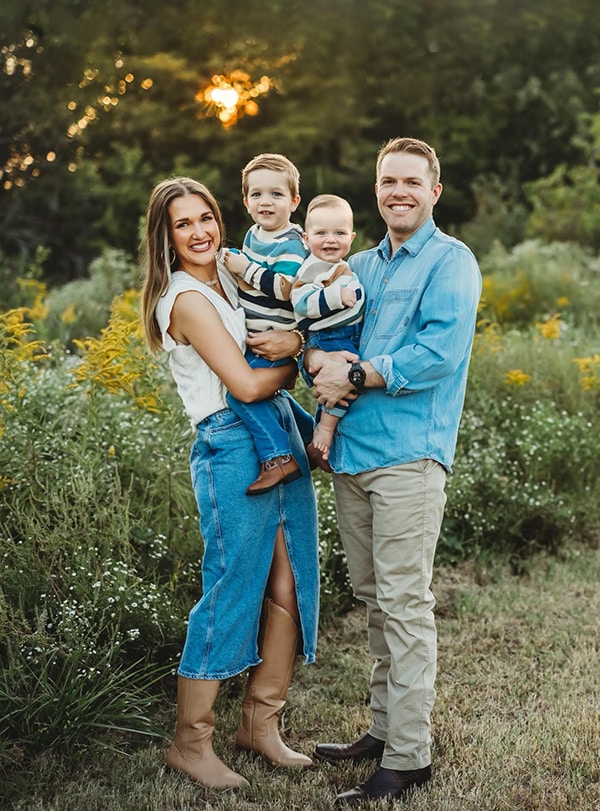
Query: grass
[(516, 724)]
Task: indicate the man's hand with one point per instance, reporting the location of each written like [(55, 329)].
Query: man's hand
[(331, 384), (315, 358)]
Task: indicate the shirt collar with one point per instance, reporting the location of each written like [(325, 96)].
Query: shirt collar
[(412, 245)]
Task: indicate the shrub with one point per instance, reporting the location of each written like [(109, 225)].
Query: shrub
[(100, 549), (565, 203), (527, 467), (81, 308), (500, 216), (336, 589), (533, 281)]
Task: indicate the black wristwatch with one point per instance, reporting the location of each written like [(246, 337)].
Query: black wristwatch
[(357, 376)]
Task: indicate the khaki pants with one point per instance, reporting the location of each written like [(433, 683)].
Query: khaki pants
[(389, 522)]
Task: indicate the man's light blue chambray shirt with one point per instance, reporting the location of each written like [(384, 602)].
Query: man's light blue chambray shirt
[(421, 309)]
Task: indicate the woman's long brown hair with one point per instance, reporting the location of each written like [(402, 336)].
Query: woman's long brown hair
[(157, 264)]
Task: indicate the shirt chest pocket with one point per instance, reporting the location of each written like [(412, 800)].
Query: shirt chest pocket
[(394, 312)]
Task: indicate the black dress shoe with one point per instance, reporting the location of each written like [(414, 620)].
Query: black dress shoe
[(365, 748), (385, 784)]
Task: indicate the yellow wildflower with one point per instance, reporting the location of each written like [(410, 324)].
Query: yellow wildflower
[(16, 346), (516, 377), (550, 328), (504, 298), (32, 288), (117, 360), (589, 372), (69, 316), (487, 338), (36, 291), (18, 351)]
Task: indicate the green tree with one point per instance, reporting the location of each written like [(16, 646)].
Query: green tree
[(497, 86), (566, 203)]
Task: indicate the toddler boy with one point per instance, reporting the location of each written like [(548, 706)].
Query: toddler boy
[(272, 253)]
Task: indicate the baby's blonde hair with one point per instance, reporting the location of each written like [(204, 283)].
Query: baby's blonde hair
[(327, 201)]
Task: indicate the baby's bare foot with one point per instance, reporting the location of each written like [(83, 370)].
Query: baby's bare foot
[(322, 439)]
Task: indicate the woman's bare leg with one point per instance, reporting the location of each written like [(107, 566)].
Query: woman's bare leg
[(281, 587)]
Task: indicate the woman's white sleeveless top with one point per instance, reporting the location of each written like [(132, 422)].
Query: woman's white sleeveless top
[(200, 389)]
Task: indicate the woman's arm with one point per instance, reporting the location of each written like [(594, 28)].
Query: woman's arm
[(195, 321)]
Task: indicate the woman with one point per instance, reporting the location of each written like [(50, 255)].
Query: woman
[(260, 564)]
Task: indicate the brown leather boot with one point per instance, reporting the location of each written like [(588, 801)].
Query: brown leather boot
[(191, 752), (267, 689), (281, 470)]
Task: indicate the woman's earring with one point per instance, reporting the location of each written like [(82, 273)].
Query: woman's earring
[(173, 257)]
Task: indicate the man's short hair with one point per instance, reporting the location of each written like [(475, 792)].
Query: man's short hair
[(415, 147)]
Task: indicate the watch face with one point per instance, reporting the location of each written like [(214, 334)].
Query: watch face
[(357, 375)]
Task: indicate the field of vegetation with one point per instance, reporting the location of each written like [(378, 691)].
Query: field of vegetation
[(515, 726), (101, 549), (99, 542)]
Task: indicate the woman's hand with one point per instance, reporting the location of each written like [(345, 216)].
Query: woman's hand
[(274, 344)]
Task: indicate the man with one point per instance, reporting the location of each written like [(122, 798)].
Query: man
[(392, 451)]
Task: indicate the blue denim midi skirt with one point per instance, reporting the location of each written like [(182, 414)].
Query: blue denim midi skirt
[(239, 539)]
